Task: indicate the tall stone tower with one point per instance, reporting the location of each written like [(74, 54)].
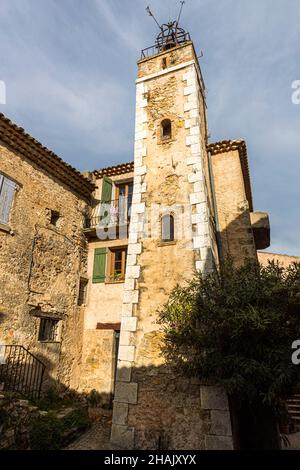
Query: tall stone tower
[(171, 234)]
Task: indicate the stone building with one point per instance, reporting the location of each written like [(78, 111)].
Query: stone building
[(86, 261), (43, 252)]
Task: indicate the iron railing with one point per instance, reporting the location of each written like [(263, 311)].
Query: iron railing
[(182, 38), (115, 212), (21, 371)]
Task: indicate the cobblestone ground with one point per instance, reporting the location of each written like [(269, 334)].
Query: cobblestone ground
[(96, 438)]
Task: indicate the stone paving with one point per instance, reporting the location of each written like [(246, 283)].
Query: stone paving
[(97, 437)]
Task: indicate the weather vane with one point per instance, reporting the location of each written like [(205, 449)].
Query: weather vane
[(170, 33)]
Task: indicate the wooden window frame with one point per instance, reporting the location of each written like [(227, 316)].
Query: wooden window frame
[(111, 277), (126, 183)]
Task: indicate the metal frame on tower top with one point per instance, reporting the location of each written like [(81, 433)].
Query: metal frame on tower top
[(171, 35)]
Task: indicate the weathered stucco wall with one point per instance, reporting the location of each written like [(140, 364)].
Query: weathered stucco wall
[(232, 207), (98, 363), (40, 266)]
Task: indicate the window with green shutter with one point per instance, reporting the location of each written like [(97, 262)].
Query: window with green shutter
[(106, 189), (99, 265), (106, 200)]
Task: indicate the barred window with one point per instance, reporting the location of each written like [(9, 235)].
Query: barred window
[(48, 329)]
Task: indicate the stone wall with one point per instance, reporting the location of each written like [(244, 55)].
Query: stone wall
[(154, 407), (16, 416), (284, 260), (41, 265)]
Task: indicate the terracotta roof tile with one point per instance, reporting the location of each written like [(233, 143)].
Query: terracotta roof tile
[(16, 138), (115, 170)]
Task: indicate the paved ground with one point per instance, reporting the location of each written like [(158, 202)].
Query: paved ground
[(97, 437)]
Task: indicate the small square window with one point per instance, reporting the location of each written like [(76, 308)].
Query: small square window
[(54, 218), (82, 292), (48, 329)]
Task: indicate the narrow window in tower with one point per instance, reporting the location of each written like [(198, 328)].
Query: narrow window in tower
[(164, 63), (167, 228), (166, 129)]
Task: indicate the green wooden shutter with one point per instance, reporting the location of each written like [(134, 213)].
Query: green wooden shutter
[(106, 200), (99, 265), (106, 189)]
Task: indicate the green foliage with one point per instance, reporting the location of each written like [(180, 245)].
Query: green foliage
[(76, 419), (49, 432), (46, 433), (53, 399), (235, 328)]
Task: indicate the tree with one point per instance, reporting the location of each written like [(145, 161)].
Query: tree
[(235, 328)]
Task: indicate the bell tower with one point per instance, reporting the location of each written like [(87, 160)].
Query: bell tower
[(171, 234)]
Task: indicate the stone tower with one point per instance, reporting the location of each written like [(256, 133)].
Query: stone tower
[(171, 234)]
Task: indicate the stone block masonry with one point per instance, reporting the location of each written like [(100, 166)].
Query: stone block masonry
[(153, 405), (125, 390)]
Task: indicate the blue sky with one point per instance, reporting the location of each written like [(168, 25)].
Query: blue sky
[(70, 69)]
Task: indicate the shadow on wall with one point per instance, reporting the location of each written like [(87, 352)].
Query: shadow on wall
[(166, 410), (26, 375)]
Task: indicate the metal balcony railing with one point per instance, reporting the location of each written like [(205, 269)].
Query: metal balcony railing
[(113, 213), (21, 371), (181, 38)]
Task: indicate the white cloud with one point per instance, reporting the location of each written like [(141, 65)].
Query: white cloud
[(69, 67)]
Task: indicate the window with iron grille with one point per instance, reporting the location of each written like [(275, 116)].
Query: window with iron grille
[(82, 291), (48, 329)]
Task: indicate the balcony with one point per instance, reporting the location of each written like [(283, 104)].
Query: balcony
[(113, 215), (261, 229)]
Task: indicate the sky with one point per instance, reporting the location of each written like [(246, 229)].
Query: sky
[(70, 67)]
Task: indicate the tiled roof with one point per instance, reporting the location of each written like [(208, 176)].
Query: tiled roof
[(17, 139), (115, 170), (240, 145)]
